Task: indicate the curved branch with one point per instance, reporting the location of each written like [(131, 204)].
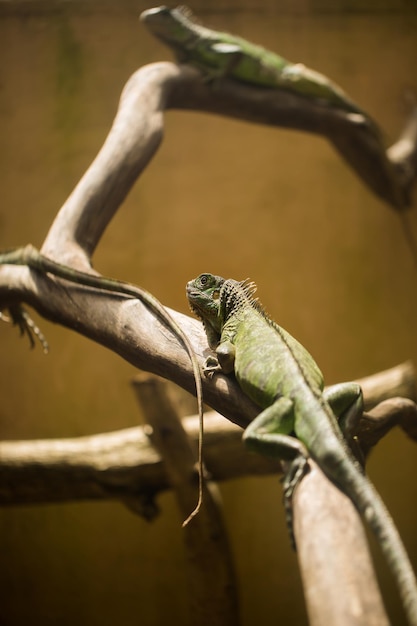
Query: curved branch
[(403, 154), (137, 132), (334, 556), (211, 574), (381, 419), (117, 465), (124, 464)]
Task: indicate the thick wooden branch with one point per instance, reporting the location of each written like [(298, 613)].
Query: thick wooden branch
[(127, 327), (339, 580), (376, 423), (137, 132), (332, 548), (124, 464), (395, 381), (120, 465), (403, 154), (212, 587), (389, 173)]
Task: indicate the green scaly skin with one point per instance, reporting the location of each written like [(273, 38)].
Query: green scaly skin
[(298, 418), (220, 54), (32, 258)]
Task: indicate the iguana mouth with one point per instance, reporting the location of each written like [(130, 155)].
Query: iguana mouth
[(203, 310), (191, 295)]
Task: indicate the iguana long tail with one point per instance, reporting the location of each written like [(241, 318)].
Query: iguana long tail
[(369, 503), (32, 258)]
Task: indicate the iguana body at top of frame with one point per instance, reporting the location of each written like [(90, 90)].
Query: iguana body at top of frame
[(221, 54)]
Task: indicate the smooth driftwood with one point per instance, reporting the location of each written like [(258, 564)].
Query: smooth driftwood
[(138, 129), (395, 381), (336, 567), (340, 582), (338, 575), (137, 133), (117, 465), (125, 465), (212, 586), (376, 423)]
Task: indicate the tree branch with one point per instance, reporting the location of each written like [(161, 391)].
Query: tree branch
[(117, 465), (211, 578), (138, 128), (124, 464), (336, 567)]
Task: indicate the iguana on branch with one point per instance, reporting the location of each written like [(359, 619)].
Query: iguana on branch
[(31, 257), (220, 54), (298, 417)]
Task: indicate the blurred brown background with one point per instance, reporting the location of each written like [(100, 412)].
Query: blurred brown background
[(330, 261)]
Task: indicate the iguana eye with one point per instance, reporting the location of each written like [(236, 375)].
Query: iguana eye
[(203, 279)]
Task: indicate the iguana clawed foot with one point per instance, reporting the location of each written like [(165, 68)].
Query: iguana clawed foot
[(295, 470), (21, 318), (212, 367)]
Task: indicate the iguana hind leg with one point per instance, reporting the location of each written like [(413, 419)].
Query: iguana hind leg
[(269, 434), (346, 402)]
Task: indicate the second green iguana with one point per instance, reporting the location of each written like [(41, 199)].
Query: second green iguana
[(298, 417), (223, 55), (219, 54)]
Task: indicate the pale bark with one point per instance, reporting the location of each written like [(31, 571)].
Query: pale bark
[(125, 465)]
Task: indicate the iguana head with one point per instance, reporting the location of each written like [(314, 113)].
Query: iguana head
[(174, 27), (203, 295), (214, 299)]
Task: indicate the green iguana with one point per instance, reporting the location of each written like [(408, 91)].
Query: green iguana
[(220, 54), (298, 417), (31, 257)]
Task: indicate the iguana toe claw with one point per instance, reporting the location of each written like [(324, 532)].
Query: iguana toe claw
[(20, 318), (294, 473)]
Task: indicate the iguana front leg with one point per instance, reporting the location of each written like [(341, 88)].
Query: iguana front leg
[(223, 362), (269, 434), (232, 55)]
